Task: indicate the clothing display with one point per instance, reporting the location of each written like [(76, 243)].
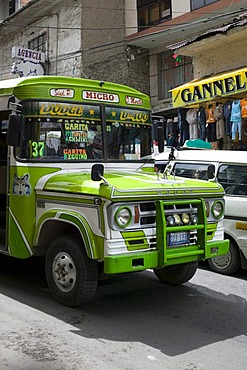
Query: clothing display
[(236, 119), (201, 120), (220, 122), (183, 126), (191, 117), (211, 123), (169, 127), (243, 104), (227, 108)]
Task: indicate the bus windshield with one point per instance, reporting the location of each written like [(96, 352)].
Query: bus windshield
[(79, 132)]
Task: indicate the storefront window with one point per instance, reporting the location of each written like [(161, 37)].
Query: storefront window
[(153, 12), (196, 4), (11, 7), (39, 43), (173, 73)]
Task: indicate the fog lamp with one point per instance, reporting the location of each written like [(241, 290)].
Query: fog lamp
[(185, 218), (194, 219), (177, 219), (170, 221)]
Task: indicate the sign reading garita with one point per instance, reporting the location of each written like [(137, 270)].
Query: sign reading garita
[(207, 89)]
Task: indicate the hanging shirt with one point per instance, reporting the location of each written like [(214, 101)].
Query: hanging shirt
[(218, 112), (191, 116), (227, 108), (236, 111), (210, 113), (201, 116), (243, 104)]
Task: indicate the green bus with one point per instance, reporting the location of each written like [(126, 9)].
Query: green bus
[(76, 187)]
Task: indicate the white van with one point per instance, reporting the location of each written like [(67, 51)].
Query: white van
[(230, 169)]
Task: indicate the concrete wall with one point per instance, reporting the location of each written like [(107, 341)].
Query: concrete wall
[(131, 21), (4, 9), (180, 7), (64, 40), (85, 38), (220, 55), (104, 51)]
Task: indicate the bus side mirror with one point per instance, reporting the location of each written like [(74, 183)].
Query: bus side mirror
[(211, 174), (97, 172), (14, 130)]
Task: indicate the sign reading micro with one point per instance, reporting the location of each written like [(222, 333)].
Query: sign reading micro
[(210, 88), (100, 96)]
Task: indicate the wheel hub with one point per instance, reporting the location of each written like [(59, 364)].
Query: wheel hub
[(222, 262), (64, 272)]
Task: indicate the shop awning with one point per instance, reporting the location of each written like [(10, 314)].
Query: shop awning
[(229, 84)]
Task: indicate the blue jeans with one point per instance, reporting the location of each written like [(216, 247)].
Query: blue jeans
[(236, 127), (202, 131)]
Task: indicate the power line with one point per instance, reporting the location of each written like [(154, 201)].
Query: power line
[(121, 43), (123, 27)]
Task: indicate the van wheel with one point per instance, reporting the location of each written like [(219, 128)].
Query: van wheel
[(177, 274), (227, 264), (71, 276)]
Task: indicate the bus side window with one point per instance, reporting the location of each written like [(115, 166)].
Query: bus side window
[(3, 149)]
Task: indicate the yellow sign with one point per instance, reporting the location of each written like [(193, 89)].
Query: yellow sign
[(199, 91), (241, 225)]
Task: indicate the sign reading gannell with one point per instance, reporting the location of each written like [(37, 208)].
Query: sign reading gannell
[(28, 54)]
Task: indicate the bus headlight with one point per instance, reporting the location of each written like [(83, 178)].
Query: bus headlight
[(123, 217), (185, 218), (217, 209)]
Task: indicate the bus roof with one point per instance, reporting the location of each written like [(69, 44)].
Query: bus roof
[(39, 86), (193, 155)]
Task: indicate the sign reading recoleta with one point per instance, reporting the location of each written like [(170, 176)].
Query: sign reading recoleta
[(210, 88)]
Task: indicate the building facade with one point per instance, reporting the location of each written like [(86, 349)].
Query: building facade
[(164, 23), (82, 38), (125, 41)]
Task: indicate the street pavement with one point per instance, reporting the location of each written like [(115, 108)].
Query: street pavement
[(134, 322)]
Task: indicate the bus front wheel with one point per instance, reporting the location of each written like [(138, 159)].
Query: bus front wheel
[(176, 274), (71, 276)]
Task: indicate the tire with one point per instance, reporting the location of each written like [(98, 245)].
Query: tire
[(177, 274), (67, 259), (227, 264)]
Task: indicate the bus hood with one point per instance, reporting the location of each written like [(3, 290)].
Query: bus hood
[(126, 184)]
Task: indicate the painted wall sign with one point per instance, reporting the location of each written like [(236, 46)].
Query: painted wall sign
[(207, 89), (28, 54), (26, 68), (100, 96)]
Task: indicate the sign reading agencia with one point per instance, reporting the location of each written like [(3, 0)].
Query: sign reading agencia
[(28, 54)]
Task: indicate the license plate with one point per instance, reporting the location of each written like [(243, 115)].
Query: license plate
[(178, 238)]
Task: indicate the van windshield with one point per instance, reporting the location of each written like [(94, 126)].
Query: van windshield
[(233, 178), (192, 170)]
